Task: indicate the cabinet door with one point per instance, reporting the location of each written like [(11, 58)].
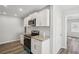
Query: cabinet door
[(26, 20), (43, 18), (38, 21), (38, 46), (35, 46), (46, 46)]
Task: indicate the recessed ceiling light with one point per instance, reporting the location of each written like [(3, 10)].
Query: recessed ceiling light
[(15, 15), (4, 13), (20, 9)]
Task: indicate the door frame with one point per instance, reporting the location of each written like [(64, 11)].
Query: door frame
[(66, 17)]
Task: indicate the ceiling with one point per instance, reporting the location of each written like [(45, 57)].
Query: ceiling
[(19, 10), (69, 9)]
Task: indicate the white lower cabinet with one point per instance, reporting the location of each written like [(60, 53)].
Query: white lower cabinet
[(40, 47)]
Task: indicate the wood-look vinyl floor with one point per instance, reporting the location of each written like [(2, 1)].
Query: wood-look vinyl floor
[(12, 48)]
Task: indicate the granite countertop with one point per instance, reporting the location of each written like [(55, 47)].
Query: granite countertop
[(40, 37)]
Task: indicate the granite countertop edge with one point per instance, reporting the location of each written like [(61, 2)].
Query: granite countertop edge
[(38, 37)]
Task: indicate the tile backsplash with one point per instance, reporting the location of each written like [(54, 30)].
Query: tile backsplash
[(42, 29)]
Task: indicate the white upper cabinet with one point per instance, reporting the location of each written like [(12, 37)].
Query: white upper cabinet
[(34, 15), (26, 21), (43, 18)]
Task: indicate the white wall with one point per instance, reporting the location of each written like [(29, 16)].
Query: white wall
[(56, 29), (10, 28)]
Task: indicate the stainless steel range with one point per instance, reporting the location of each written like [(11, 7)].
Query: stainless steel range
[(27, 43), (27, 40)]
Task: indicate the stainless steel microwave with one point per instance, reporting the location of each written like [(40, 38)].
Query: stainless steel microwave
[(32, 22)]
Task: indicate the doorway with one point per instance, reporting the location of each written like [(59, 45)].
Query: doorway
[(72, 34)]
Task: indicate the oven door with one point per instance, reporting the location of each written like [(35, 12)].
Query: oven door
[(27, 42)]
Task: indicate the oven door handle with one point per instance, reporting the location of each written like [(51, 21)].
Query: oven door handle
[(27, 38)]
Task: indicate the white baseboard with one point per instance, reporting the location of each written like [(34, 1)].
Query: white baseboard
[(8, 41)]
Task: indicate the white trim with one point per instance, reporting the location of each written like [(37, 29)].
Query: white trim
[(8, 41), (66, 32), (51, 30)]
